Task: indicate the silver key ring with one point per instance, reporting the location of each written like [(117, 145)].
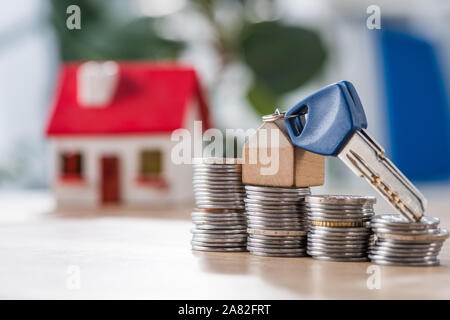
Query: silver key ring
[(278, 115)]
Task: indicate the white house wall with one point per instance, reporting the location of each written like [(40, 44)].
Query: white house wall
[(128, 150)]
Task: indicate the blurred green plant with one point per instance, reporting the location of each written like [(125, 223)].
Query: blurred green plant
[(281, 58), (103, 36)]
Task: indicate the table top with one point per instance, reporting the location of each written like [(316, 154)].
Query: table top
[(125, 253)]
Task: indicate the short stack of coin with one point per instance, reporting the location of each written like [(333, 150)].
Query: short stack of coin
[(397, 241), (219, 222), (337, 227), (276, 223)]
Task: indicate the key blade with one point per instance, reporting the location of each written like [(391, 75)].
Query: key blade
[(366, 158)]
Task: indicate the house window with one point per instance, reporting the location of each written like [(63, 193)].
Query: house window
[(151, 164), (72, 165)]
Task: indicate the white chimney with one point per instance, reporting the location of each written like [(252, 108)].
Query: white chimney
[(97, 83)]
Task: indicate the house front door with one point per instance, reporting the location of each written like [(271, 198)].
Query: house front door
[(110, 182)]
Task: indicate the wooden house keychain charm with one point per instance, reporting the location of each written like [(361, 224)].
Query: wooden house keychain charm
[(270, 158)]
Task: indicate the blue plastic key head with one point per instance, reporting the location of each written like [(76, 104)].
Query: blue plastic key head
[(334, 113)]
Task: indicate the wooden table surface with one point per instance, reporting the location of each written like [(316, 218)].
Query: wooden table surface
[(145, 254)]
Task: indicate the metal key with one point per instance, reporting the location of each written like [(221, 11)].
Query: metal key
[(335, 126)]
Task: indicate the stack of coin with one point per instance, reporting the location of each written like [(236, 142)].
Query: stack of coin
[(337, 227), (276, 223), (218, 183), (397, 241), (219, 222)]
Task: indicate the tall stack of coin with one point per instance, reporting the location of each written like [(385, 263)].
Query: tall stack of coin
[(397, 241), (337, 227), (276, 223), (219, 222)]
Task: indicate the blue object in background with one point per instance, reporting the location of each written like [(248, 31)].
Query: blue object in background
[(418, 108)]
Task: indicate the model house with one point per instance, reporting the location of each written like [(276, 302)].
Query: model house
[(289, 166), (110, 130)]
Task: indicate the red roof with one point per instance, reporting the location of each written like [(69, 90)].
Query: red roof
[(150, 98)]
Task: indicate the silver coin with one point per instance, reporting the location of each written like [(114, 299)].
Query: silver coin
[(341, 213), (204, 171), (403, 263), (276, 215), (397, 220), (275, 220), (390, 255), (270, 203), (342, 259), (219, 231), (275, 195), (215, 191), (278, 243), (219, 177), (217, 161), (338, 220), (340, 199), (284, 221), (269, 212), (406, 232), (292, 225), (403, 250), (276, 189), (279, 255), (319, 237), (239, 223), (275, 250), (214, 194), (441, 236), (214, 182), (218, 200), (298, 240), (342, 244), (366, 216), (221, 227), (346, 245), (218, 244), (376, 226), (219, 223), (219, 249), (219, 206), (220, 237), (378, 246), (402, 259), (278, 238), (406, 245), (219, 188), (259, 227), (316, 252), (340, 230), (217, 168), (218, 214), (265, 232), (270, 208), (251, 244), (337, 236), (333, 251), (276, 226), (336, 207)]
